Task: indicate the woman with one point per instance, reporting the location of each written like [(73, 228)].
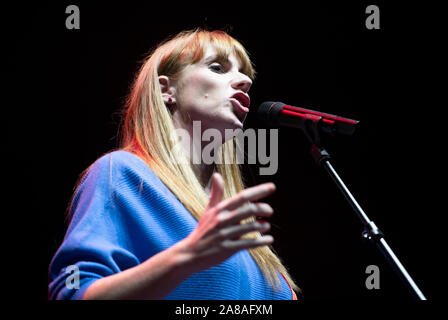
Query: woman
[(146, 222)]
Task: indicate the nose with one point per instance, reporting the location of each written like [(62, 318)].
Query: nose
[(242, 82)]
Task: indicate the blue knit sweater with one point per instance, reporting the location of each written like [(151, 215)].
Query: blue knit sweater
[(121, 215)]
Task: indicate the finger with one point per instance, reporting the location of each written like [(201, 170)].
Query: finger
[(241, 244), (235, 232), (249, 194), (217, 191), (251, 209)]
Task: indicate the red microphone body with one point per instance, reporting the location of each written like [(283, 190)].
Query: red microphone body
[(280, 114)]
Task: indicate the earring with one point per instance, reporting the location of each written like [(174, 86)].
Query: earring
[(170, 100)]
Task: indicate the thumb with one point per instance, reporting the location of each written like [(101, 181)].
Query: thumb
[(217, 190)]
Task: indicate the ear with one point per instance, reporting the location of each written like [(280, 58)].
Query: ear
[(168, 90)]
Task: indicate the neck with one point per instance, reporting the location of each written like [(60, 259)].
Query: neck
[(193, 147)]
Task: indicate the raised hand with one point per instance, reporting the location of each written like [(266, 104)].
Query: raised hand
[(218, 234)]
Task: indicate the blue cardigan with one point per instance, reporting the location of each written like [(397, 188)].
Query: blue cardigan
[(121, 215)]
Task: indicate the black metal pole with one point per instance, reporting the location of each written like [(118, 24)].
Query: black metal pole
[(371, 231), (311, 124)]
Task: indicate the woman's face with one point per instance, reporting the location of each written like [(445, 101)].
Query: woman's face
[(214, 92)]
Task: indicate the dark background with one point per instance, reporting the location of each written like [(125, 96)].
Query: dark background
[(67, 88)]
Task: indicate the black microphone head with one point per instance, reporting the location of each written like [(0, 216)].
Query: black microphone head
[(268, 112)]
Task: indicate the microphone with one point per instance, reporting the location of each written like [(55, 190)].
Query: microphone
[(279, 114)]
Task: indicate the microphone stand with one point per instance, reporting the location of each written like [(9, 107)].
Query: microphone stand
[(371, 231)]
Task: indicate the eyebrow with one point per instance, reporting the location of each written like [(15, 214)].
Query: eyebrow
[(216, 58)]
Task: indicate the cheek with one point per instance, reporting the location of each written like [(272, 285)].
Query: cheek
[(200, 88), (204, 97), (207, 87)]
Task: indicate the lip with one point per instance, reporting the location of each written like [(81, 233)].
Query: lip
[(241, 100)]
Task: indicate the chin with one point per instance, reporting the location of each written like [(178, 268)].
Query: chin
[(239, 124), (235, 124), (229, 123)]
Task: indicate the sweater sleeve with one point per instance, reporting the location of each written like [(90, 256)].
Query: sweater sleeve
[(96, 243)]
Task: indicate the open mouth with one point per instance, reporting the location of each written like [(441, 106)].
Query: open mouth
[(241, 102), (242, 98)]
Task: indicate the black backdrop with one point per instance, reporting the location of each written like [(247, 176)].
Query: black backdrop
[(68, 87)]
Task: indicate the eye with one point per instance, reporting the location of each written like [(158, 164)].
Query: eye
[(217, 67)]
